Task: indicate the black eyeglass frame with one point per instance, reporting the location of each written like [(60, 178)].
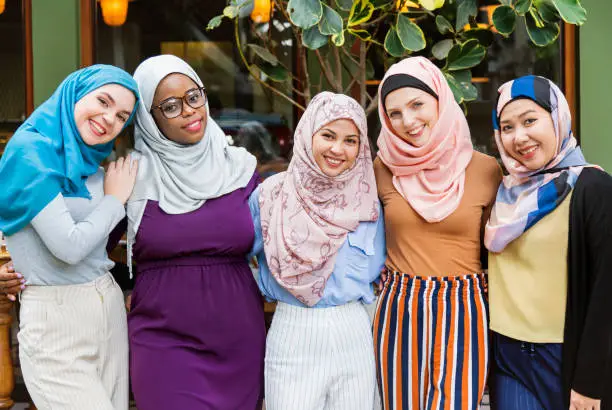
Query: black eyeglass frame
[(183, 100)]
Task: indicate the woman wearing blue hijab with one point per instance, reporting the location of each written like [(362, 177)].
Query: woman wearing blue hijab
[(57, 209)]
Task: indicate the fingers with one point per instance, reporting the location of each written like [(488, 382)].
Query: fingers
[(6, 286), (134, 168), (9, 275), (12, 298), (7, 267)]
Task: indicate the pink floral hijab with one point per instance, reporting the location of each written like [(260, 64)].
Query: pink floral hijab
[(306, 215), (432, 177)]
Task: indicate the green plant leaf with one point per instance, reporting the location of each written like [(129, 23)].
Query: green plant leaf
[(466, 55), (455, 87), (571, 11), (482, 35), (444, 26), (313, 39), (504, 20), (379, 4), (344, 4), (305, 13), (470, 92), (361, 12), (215, 22), (338, 39), (362, 34), (431, 4), (264, 54), (465, 10), (276, 73), (462, 83), (462, 76), (331, 22), (547, 10), (231, 11), (440, 49), (411, 36), (541, 35), (393, 45), (522, 6), (506, 2)]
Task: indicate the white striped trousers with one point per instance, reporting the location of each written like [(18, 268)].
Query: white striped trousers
[(73, 346), (320, 359)]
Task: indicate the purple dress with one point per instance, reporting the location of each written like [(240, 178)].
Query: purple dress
[(196, 327)]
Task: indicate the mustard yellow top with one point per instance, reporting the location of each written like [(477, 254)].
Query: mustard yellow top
[(528, 281)]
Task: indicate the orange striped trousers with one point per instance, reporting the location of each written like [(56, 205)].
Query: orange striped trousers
[(430, 341)]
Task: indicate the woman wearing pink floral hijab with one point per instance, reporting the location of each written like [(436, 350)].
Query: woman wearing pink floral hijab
[(430, 327), (319, 240)]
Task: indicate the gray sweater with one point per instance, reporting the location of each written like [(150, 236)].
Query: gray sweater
[(65, 243)]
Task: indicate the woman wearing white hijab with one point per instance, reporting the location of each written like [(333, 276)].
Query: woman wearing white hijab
[(196, 323)]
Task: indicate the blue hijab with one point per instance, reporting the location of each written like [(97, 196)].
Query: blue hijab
[(46, 155)]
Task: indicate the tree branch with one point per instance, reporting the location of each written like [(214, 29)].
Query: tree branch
[(256, 77), (362, 73), (376, 20), (346, 53), (306, 83), (329, 76), (338, 70), (373, 105)]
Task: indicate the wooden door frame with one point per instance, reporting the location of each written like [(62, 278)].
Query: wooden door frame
[(86, 19), (28, 55), (570, 73)]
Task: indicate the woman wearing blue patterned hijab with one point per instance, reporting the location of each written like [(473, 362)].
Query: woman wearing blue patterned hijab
[(58, 208), (549, 247)]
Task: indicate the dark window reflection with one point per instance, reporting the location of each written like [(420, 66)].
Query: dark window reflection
[(12, 71)]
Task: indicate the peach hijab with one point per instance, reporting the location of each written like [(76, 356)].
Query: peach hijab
[(432, 177)]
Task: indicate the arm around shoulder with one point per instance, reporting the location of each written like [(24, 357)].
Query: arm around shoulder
[(72, 241)]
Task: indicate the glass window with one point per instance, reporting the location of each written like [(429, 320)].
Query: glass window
[(12, 70), (238, 101), (504, 64)]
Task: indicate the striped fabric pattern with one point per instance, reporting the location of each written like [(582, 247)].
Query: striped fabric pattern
[(320, 359), (430, 341), (73, 346)]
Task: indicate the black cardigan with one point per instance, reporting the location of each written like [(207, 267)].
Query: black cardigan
[(587, 343)]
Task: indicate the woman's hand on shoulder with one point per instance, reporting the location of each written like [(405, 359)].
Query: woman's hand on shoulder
[(11, 282), (120, 178)]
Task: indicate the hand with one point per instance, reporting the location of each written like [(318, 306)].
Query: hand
[(11, 282), (580, 402), (120, 178), (383, 279), (128, 302)]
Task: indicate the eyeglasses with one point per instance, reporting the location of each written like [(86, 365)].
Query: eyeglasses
[(173, 107)]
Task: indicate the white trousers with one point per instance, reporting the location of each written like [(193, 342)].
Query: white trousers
[(73, 346), (320, 359)]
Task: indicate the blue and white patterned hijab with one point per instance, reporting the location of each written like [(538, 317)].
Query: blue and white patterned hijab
[(525, 196)]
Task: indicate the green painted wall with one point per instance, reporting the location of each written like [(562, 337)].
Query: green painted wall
[(55, 44), (596, 83)]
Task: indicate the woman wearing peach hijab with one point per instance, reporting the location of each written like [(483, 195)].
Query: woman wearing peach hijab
[(430, 328)]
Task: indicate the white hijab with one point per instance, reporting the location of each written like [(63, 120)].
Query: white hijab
[(180, 177)]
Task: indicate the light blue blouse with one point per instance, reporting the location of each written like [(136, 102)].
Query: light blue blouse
[(358, 264)]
